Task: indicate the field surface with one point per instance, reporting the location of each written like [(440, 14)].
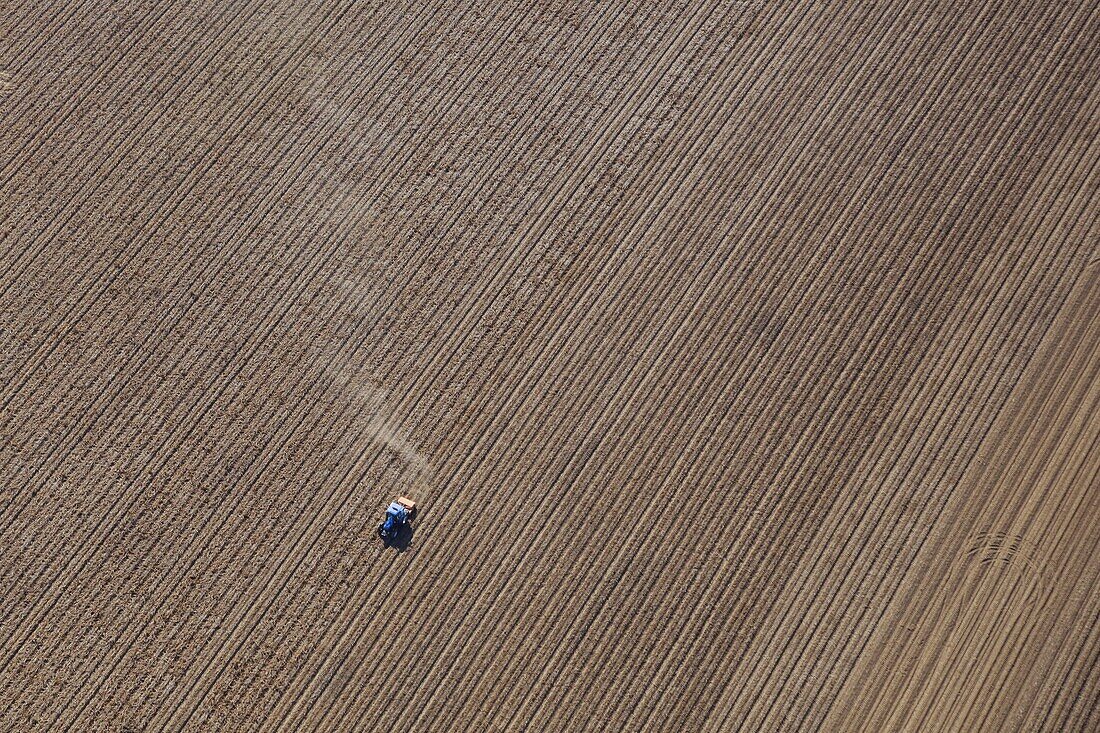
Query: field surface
[(744, 358)]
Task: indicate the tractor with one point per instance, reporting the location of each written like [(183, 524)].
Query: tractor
[(398, 514)]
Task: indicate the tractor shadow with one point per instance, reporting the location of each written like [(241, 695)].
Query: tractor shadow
[(403, 540)]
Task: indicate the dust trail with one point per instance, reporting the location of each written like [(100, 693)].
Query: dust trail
[(380, 424), (331, 201)]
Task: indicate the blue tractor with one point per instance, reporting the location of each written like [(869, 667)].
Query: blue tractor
[(398, 514)]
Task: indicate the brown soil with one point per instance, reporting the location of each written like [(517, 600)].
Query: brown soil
[(742, 357)]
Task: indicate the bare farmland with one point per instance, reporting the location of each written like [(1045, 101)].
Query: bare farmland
[(741, 355)]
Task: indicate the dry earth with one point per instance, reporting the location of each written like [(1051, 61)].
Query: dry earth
[(742, 355)]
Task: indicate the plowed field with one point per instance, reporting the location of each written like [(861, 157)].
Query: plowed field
[(744, 358)]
